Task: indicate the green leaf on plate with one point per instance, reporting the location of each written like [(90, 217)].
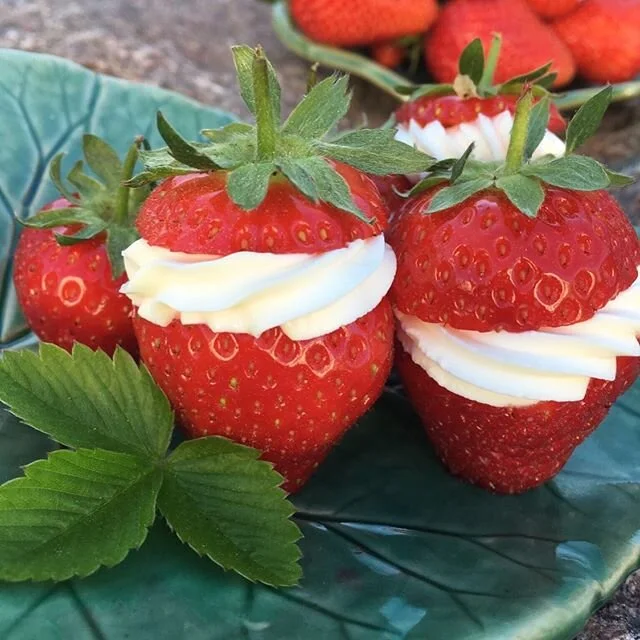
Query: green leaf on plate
[(248, 185), (320, 110), (525, 193), (226, 505), (587, 119), (75, 512), (87, 400)]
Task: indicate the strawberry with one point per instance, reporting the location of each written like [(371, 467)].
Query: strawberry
[(266, 355), (518, 300), (388, 54), (527, 42), (350, 24), (391, 189), (444, 119), (552, 9), (604, 39), (67, 266)]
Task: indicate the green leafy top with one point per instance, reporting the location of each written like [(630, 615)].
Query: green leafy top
[(298, 148), (475, 76), (99, 204), (520, 177), (88, 506)]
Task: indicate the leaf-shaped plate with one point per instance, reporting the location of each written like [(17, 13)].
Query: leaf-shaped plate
[(394, 547)]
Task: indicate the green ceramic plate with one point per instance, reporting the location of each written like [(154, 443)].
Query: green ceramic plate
[(393, 548)]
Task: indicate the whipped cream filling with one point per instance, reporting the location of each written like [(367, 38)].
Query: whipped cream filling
[(491, 137), (504, 369), (306, 295)]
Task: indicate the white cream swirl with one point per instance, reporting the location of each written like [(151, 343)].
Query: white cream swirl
[(307, 295), (504, 369), (490, 135)]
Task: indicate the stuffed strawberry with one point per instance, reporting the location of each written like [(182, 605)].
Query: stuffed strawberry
[(528, 43), (348, 24), (444, 119), (518, 301), (68, 267), (261, 275)]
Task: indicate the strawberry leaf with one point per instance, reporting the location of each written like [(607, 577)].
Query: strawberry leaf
[(86, 186), (60, 217), (248, 185), (525, 193), (227, 505), (56, 177), (300, 176), (587, 119), (537, 126), (84, 399), (90, 230), (619, 179), (158, 164), (320, 110), (458, 166), (471, 61), (457, 193), (118, 239), (74, 512), (579, 173), (102, 160), (232, 145), (375, 151)]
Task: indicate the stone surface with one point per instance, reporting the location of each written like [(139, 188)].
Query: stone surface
[(185, 46)]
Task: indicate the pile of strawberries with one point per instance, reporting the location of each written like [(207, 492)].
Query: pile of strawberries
[(598, 40), (229, 265)]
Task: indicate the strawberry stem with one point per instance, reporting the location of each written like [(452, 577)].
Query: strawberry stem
[(265, 117), (519, 133), (122, 196), (491, 62)]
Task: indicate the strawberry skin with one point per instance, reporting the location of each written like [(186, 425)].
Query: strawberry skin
[(551, 9), (453, 110), (68, 294), (390, 188), (483, 265), (604, 38), (290, 399), (508, 449), (527, 43), (349, 24)]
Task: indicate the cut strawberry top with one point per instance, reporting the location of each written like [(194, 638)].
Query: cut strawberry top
[(483, 265), (453, 110), (194, 214)]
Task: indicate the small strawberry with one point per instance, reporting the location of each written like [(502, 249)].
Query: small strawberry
[(388, 54), (351, 24), (262, 273), (527, 42), (604, 38), (444, 119), (518, 300), (67, 266), (552, 9)]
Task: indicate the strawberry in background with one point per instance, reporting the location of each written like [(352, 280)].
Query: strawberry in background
[(527, 43), (347, 23), (518, 302), (68, 267), (260, 280), (604, 39), (552, 9), (443, 120)]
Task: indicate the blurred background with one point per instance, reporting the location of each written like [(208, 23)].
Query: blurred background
[(184, 46)]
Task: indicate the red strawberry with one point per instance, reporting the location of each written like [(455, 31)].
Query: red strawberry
[(391, 189), (551, 9), (349, 24), (67, 267), (604, 38), (527, 42), (291, 398), (493, 301), (451, 110), (388, 54)]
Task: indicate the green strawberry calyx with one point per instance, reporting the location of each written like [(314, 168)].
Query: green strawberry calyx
[(300, 149), (475, 77), (100, 203), (520, 177)]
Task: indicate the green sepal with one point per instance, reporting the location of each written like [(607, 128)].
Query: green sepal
[(248, 184), (88, 231), (578, 173), (60, 217), (455, 194), (158, 164), (118, 239), (587, 119), (86, 186), (102, 160), (55, 174), (619, 179), (525, 193), (471, 61), (458, 166), (537, 126)]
